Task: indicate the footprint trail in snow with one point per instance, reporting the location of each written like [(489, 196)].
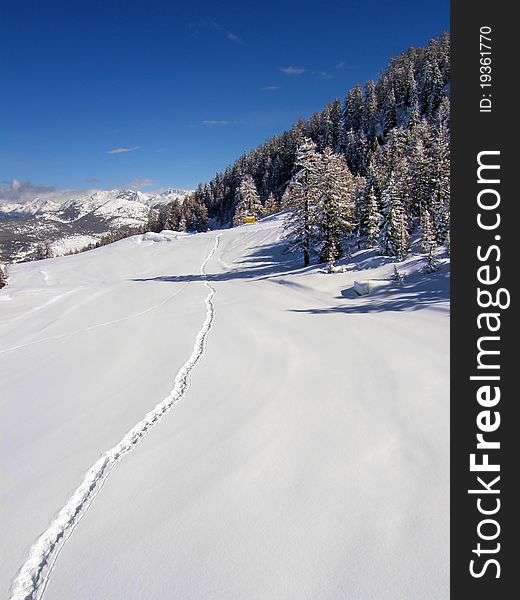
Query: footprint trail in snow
[(33, 576)]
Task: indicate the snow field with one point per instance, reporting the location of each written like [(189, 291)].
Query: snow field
[(309, 460)]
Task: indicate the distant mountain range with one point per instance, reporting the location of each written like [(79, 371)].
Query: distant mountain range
[(70, 223)]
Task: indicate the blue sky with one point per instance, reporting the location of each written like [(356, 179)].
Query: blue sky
[(159, 93)]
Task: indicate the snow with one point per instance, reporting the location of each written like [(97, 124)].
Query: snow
[(309, 457), (72, 243)]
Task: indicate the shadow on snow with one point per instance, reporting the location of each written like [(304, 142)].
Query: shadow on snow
[(262, 263), (420, 291)]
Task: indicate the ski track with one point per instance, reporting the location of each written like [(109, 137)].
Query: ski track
[(32, 578)]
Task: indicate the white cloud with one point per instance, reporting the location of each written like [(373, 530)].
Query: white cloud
[(121, 150), (271, 88), (140, 182), (292, 70), (23, 191), (199, 29), (235, 39), (217, 123)]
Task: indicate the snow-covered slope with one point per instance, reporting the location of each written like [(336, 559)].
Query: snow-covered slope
[(266, 432)]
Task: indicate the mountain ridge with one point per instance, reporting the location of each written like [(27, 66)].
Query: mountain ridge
[(70, 224)]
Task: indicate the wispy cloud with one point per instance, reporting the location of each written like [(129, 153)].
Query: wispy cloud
[(91, 180), (218, 122), (198, 28), (235, 39), (292, 70), (322, 74), (140, 182), (121, 150), (271, 88)]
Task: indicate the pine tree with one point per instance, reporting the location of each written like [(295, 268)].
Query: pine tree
[(389, 110), (427, 232), (194, 215), (354, 109), (370, 117), (435, 94), (173, 215), (336, 118), (247, 201), (432, 264), (433, 84), (398, 276), (271, 206), (154, 223), (440, 177), (43, 250), (335, 208), (373, 220), (419, 171), (413, 109), (394, 238), (301, 200)]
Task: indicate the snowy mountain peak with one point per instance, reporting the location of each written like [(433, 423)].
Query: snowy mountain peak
[(62, 216)]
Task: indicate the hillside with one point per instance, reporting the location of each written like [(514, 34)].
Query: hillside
[(295, 443)]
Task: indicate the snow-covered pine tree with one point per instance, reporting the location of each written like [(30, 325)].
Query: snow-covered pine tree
[(353, 114), (173, 215), (389, 110), (419, 170), (373, 220), (427, 232), (43, 250), (301, 199), (413, 109), (194, 214), (432, 264), (440, 178), (247, 201), (271, 206), (326, 128), (335, 208), (398, 276), (336, 116), (154, 223), (435, 93), (394, 238), (370, 117)]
